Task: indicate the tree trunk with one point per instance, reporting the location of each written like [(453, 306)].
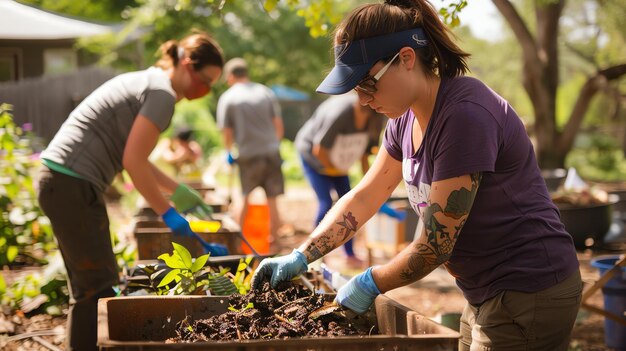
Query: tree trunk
[(591, 87), (540, 72)]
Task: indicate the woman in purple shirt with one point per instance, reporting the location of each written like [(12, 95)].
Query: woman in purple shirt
[(471, 176)]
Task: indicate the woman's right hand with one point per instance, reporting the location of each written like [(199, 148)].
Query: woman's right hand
[(279, 269), (177, 223)]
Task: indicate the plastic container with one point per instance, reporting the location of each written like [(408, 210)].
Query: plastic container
[(614, 292), (144, 323), (205, 226), (256, 228), (584, 222)]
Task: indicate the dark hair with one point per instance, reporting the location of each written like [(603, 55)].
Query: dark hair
[(184, 134), (237, 67), (442, 56), (199, 47)]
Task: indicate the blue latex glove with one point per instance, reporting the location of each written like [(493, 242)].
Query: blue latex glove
[(359, 293), (214, 249), (279, 269), (230, 159), (177, 223), (397, 214)]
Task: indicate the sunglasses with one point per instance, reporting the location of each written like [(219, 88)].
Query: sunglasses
[(367, 85)]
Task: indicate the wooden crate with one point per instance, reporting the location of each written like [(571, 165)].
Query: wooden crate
[(157, 238), (144, 323)]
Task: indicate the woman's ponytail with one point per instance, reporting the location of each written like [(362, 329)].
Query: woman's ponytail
[(169, 54), (449, 59), (199, 48)]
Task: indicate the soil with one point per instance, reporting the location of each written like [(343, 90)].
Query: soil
[(273, 314)]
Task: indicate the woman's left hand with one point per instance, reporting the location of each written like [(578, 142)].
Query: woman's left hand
[(359, 293), (188, 200)]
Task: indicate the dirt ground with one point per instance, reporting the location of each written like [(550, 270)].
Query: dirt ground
[(433, 297)]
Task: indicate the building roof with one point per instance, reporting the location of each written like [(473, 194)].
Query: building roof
[(19, 21)]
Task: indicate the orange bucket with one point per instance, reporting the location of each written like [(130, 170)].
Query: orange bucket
[(256, 228)]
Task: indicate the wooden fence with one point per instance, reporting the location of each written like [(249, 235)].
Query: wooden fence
[(46, 102)]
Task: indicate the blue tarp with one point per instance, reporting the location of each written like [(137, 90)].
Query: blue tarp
[(286, 93)]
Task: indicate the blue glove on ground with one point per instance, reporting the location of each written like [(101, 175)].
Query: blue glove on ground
[(177, 223), (359, 293), (230, 159), (279, 269), (389, 211)]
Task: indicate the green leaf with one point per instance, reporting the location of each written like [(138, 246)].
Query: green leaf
[(170, 277), (12, 252), (242, 265), (172, 261), (269, 5), (198, 264), (54, 310), (3, 285), (220, 285), (184, 254)]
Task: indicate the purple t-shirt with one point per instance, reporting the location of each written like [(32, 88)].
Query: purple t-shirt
[(513, 238)]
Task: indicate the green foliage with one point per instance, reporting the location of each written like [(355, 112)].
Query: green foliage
[(450, 13), (110, 10), (292, 166), (319, 16), (196, 114), (598, 158), (221, 285), (25, 233), (125, 254), (186, 276), (185, 271), (40, 292), (497, 64), (243, 276)]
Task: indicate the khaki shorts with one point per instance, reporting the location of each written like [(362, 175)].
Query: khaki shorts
[(514, 320), (263, 171)]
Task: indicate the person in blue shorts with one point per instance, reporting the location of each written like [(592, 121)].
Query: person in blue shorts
[(340, 133)]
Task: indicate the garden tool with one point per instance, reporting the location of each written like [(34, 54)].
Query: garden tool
[(214, 226), (243, 238), (204, 227), (207, 246), (231, 183)]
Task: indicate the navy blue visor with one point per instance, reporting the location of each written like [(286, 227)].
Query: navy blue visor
[(354, 59)]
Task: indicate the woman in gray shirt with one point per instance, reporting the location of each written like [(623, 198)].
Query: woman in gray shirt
[(115, 128)]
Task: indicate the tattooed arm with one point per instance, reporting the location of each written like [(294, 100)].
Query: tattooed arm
[(354, 208), (449, 205)]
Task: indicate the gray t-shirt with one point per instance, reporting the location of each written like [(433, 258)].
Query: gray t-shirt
[(249, 109), (91, 141), (332, 126), (513, 238)]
